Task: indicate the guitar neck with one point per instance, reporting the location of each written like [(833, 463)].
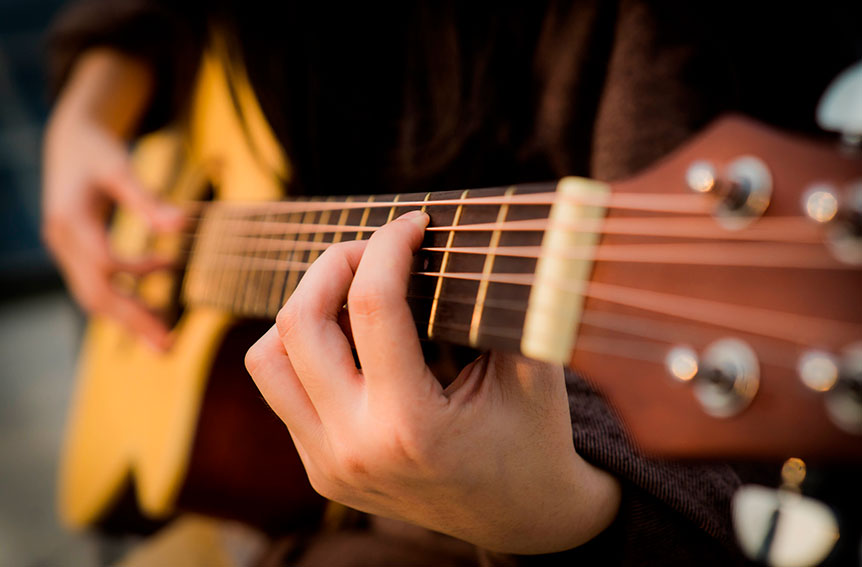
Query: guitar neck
[(680, 294), (471, 282)]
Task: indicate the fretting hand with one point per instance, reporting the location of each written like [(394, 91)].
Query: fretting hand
[(489, 459)]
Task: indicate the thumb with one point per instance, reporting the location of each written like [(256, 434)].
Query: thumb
[(126, 189)]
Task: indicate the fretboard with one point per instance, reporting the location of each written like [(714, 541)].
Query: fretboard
[(471, 281)]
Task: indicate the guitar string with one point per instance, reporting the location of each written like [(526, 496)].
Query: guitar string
[(612, 345), (791, 327), (656, 202), (738, 254), (672, 333), (769, 229), (246, 223)]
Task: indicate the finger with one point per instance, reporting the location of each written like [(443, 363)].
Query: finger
[(275, 377), (386, 339), (88, 265), (122, 184), (137, 318), (344, 323), (89, 250), (309, 328), (96, 295), (141, 266)]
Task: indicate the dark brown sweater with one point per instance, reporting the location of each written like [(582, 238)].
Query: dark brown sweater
[(579, 87)]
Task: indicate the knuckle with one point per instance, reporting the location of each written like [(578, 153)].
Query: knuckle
[(254, 358), (367, 301), (407, 446), (411, 447), (337, 249), (288, 319), (351, 464)]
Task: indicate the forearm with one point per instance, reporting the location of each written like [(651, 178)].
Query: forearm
[(106, 88)]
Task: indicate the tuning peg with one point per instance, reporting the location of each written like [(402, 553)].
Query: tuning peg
[(782, 528), (742, 189), (840, 380), (724, 379), (841, 212), (840, 108)]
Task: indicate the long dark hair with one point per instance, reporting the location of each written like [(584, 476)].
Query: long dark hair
[(444, 90), (369, 98)]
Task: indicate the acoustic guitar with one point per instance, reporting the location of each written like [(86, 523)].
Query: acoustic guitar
[(714, 299)]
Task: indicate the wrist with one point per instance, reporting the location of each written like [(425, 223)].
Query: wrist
[(567, 510), (107, 90)]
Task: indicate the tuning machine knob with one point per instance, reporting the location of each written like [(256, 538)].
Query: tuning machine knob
[(841, 212), (840, 380), (724, 379), (781, 527), (742, 190)]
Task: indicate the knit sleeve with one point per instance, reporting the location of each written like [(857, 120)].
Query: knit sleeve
[(167, 35)]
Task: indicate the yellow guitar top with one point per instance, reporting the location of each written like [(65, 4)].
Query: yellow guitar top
[(135, 410)]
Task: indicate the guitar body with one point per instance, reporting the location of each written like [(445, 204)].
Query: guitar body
[(135, 415)]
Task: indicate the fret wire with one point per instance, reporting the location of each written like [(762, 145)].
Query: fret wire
[(425, 200), (476, 320), (275, 291), (392, 210), (222, 278), (236, 271), (218, 276), (265, 293), (228, 274), (342, 218), (252, 284), (364, 219), (291, 274), (293, 278), (260, 291), (283, 290), (439, 285), (239, 279), (318, 238), (193, 281)]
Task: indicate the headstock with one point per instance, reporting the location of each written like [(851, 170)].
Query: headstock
[(730, 323)]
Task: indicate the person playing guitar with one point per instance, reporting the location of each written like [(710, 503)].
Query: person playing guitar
[(511, 455)]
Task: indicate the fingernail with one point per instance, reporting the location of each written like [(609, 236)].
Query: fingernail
[(421, 218)]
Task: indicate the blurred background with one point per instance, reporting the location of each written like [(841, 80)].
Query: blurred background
[(39, 326)]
